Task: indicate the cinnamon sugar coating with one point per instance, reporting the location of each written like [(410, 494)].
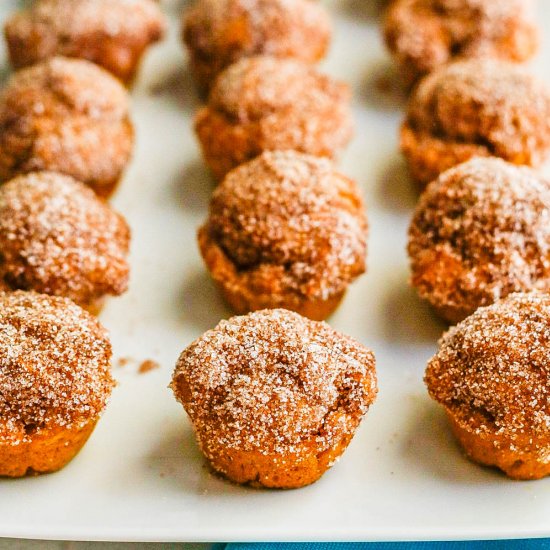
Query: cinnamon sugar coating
[(220, 32), (68, 116), (476, 108), (111, 33), (274, 398), (54, 366), (481, 231), (492, 376), (423, 35), (285, 230), (57, 237), (265, 103)]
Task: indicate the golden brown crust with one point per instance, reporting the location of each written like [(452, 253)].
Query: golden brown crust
[(274, 398), (263, 289), (111, 33), (58, 238), (45, 452), (479, 233), (264, 103), (426, 34), (218, 33), (55, 380), (491, 374), (67, 116), (285, 230), (475, 108)]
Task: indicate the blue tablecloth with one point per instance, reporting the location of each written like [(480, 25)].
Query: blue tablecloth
[(531, 544)]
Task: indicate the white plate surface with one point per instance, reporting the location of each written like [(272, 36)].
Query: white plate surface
[(141, 477)]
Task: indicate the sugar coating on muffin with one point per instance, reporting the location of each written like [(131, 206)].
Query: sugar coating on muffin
[(55, 381), (274, 398), (220, 32), (285, 230), (68, 116), (54, 365), (265, 103), (480, 232), (57, 237), (479, 107), (491, 374), (426, 34), (111, 33)]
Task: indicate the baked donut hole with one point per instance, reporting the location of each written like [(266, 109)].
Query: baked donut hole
[(55, 381), (423, 35), (57, 237), (68, 116), (479, 233), (218, 33), (479, 107), (285, 230), (491, 376), (274, 398), (111, 33), (265, 103)]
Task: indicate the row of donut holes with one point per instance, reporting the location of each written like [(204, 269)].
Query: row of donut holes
[(507, 451)]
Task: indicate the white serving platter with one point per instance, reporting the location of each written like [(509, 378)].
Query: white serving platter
[(141, 476)]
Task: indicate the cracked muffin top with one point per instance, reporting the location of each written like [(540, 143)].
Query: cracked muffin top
[(265, 103), (287, 209), (480, 232), (65, 115), (57, 237), (55, 365), (219, 32), (479, 107), (492, 371), (272, 380), (426, 34), (111, 33), (490, 103)]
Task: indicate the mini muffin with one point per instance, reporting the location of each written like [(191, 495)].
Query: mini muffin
[(55, 381), (480, 232), (219, 32), (423, 35), (274, 398), (285, 230), (264, 103), (491, 374), (111, 33), (68, 116), (476, 108), (57, 237)]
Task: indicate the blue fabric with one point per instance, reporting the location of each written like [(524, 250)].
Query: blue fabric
[(531, 544)]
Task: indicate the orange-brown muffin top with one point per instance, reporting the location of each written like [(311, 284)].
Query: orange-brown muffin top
[(284, 96), (68, 116), (221, 31), (425, 34), (486, 102), (256, 86), (57, 237), (488, 222), (289, 209), (270, 380), (60, 87), (59, 23), (54, 365), (492, 370)]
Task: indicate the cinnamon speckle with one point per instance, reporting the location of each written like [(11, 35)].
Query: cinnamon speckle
[(273, 380), (54, 365)]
